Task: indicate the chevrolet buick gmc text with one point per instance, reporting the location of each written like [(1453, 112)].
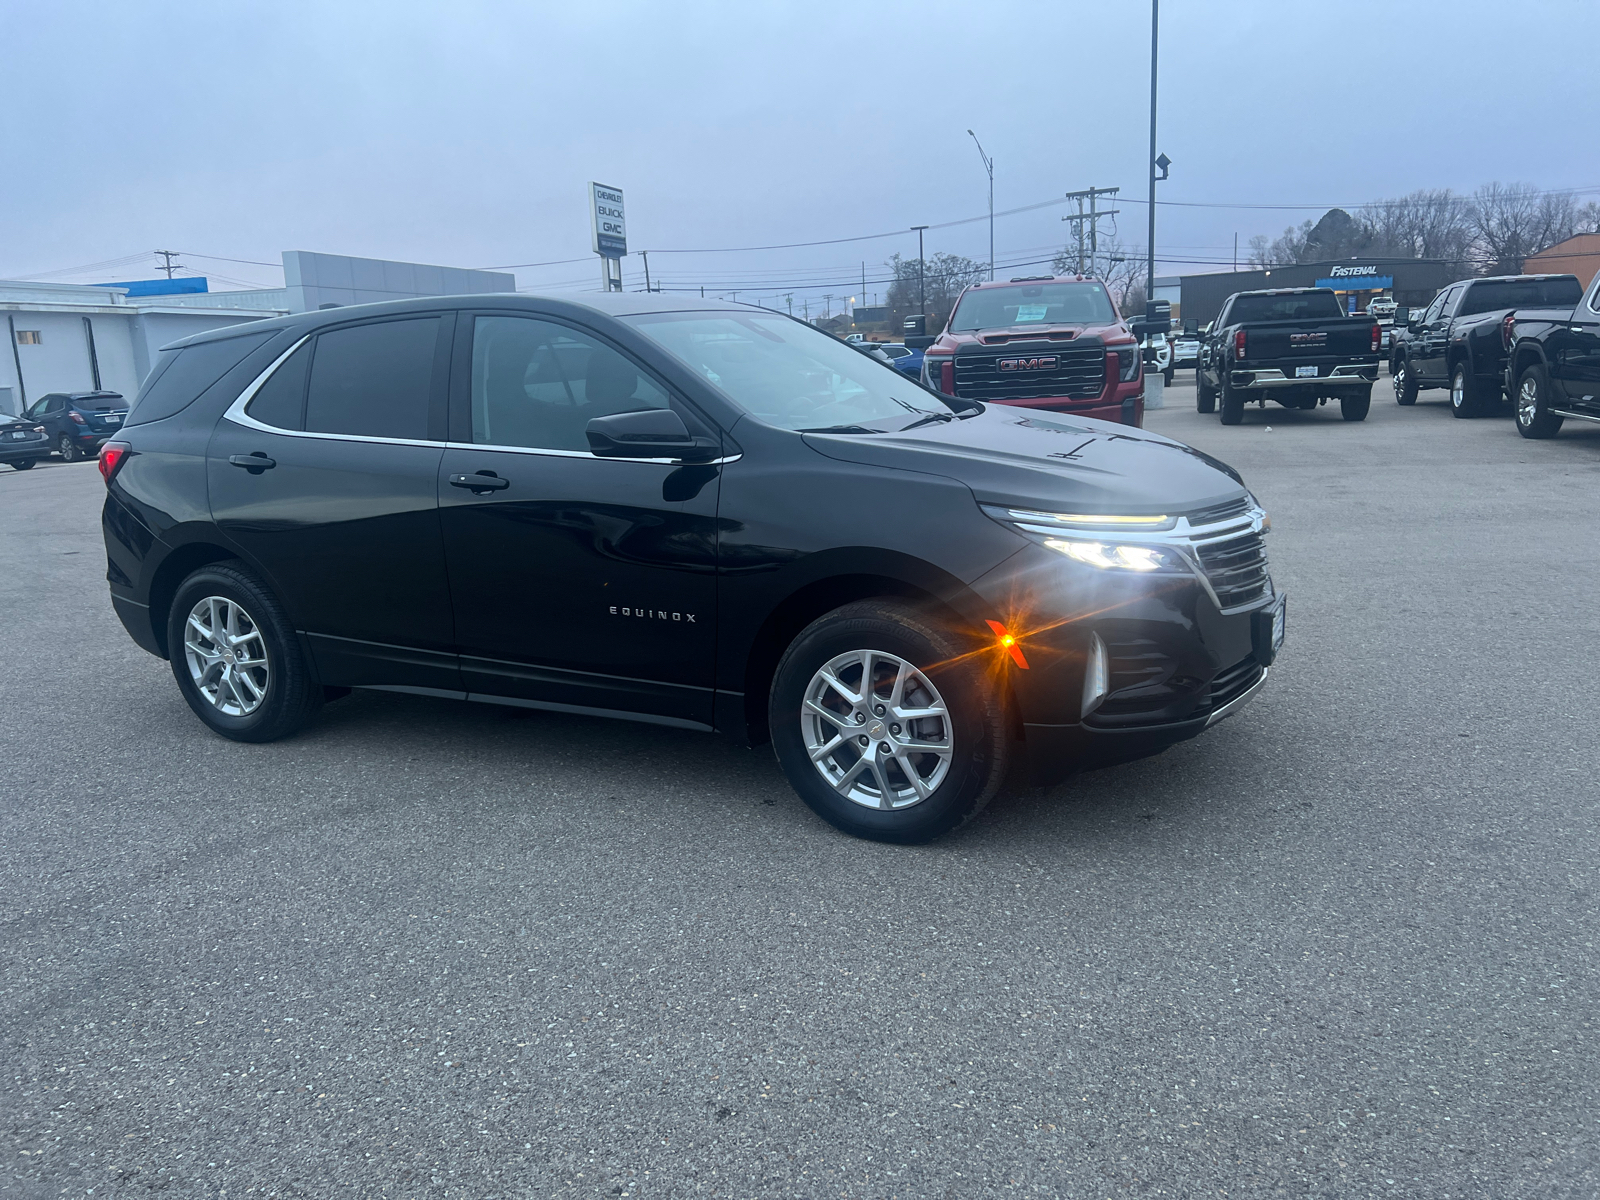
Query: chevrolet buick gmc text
[(691, 513)]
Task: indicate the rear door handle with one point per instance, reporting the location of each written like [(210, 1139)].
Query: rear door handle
[(255, 463), (481, 482)]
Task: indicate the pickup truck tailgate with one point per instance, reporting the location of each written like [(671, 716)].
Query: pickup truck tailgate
[(1344, 338)]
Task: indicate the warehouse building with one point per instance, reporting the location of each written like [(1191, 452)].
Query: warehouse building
[(88, 337), (1410, 281)]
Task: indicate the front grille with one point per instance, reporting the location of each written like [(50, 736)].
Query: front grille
[(1232, 683), (1079, 373), (1225, 511), (1236, 568)]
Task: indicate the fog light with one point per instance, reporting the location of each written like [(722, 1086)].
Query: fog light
[(1094, 675)]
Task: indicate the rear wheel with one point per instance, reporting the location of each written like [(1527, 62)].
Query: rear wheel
[(1405, 383), (1353, 406), (1534, 417), (235, 656), (1168, 374), (24, 464), (1205, 396), (1466, 394), (1232, 403), (67, 448), (887, 725)]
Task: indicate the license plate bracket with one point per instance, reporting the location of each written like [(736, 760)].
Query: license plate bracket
[(1268, 629), (1306, 372)]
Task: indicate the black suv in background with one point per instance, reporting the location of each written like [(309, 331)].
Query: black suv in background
[(1456, 342), (684, 512), (77, 423)]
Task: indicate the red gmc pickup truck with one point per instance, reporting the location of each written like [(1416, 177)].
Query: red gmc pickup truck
[(1055, 343)]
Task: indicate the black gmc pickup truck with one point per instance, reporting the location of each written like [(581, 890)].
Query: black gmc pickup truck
[(1292, 345), (1456, 343), (1553, 363)]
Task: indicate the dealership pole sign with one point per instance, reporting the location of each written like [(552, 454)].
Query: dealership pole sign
[(610, 226)]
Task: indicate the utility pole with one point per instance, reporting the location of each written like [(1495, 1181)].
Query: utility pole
[(829, 312), (988, 165), (1235, 251), (1150, 249), (645, 254), (168, 267), (789, 300), (1092, 217), (922, 270), (863, 278)]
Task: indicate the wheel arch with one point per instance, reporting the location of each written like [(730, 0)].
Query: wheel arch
[(1523, 357), (172, 571), (819, 596)]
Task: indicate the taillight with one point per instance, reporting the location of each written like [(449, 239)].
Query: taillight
[(77, 418), (1507, 324), (1238, 344), (1377, 336), (112, 455)]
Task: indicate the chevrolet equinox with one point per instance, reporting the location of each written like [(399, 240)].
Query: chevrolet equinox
[(697, 514)]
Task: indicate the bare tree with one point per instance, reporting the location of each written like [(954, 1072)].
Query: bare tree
[(1430, 223), (1288, 248), (1512, 221), (945, 277), (1120, 267)]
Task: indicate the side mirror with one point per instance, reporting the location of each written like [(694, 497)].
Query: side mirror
[(1402, 315), (648, 433), (1191, 327)]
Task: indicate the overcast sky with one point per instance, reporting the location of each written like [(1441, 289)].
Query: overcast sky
[(465, 133)]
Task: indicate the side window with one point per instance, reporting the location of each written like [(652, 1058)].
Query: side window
[(1451, 298), (55, 404), (539, 384), (1433, 309), (281, 400), (373, 380), (1594, 295)]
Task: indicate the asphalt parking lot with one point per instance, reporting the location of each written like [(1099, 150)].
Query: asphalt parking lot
[(1341, 945)]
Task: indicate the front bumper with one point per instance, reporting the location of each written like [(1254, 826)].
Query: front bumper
[(1122, 404)]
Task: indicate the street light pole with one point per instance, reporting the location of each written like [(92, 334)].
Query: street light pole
[(1150, 249), (988, 165), (922, 267)]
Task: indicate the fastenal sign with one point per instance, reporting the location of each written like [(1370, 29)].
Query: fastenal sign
[(1341, 272), (610, 228)]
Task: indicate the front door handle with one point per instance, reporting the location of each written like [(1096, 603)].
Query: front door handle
[(255, 462), (483, 481)]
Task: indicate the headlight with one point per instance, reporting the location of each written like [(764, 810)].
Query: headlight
[(1127, 362), (1118, 556)]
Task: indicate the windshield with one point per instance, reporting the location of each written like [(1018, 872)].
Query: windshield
[(1492, 294), (787, 374), (1296, 306), (1034, 304)]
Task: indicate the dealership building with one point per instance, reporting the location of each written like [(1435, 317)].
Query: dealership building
[(1410, 281), (67, 337)]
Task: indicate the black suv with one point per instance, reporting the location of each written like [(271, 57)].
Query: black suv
[(78, 423), (691, 513)]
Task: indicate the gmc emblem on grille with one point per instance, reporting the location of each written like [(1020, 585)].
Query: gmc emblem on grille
[(1307, 339), (1045, 363)]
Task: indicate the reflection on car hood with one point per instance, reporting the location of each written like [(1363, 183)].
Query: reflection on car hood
[(1049, 461)]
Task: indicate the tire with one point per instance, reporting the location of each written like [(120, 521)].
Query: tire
[(1168, 374), (1466, 396), (274, 694), (935, 667), (68, 449), (1232, 403), (1353, 406), (1534, 418), (23, 464), (1205, 397), (1405, 383)]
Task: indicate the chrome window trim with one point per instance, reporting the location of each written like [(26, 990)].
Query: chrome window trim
[(237, 414)]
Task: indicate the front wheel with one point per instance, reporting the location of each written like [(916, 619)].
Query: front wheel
[(236, 658), (1405, 383), (1205, 396), (23, 464), (886, 723), (1534, 417), (1168, 374), (68, 449), (1353, 406)]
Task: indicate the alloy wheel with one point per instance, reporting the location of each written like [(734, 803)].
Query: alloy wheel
[(877, 730), (227, 656), (1399, 380), (1458, 390), (68, 451), (1527, 403)]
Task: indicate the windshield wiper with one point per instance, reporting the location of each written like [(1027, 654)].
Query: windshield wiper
[(929, 420), (840, 429)]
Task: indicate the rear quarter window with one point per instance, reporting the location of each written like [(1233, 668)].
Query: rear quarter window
[(181, 375)]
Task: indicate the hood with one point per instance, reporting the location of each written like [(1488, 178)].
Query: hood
[(1047, 461), (956, 340)]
